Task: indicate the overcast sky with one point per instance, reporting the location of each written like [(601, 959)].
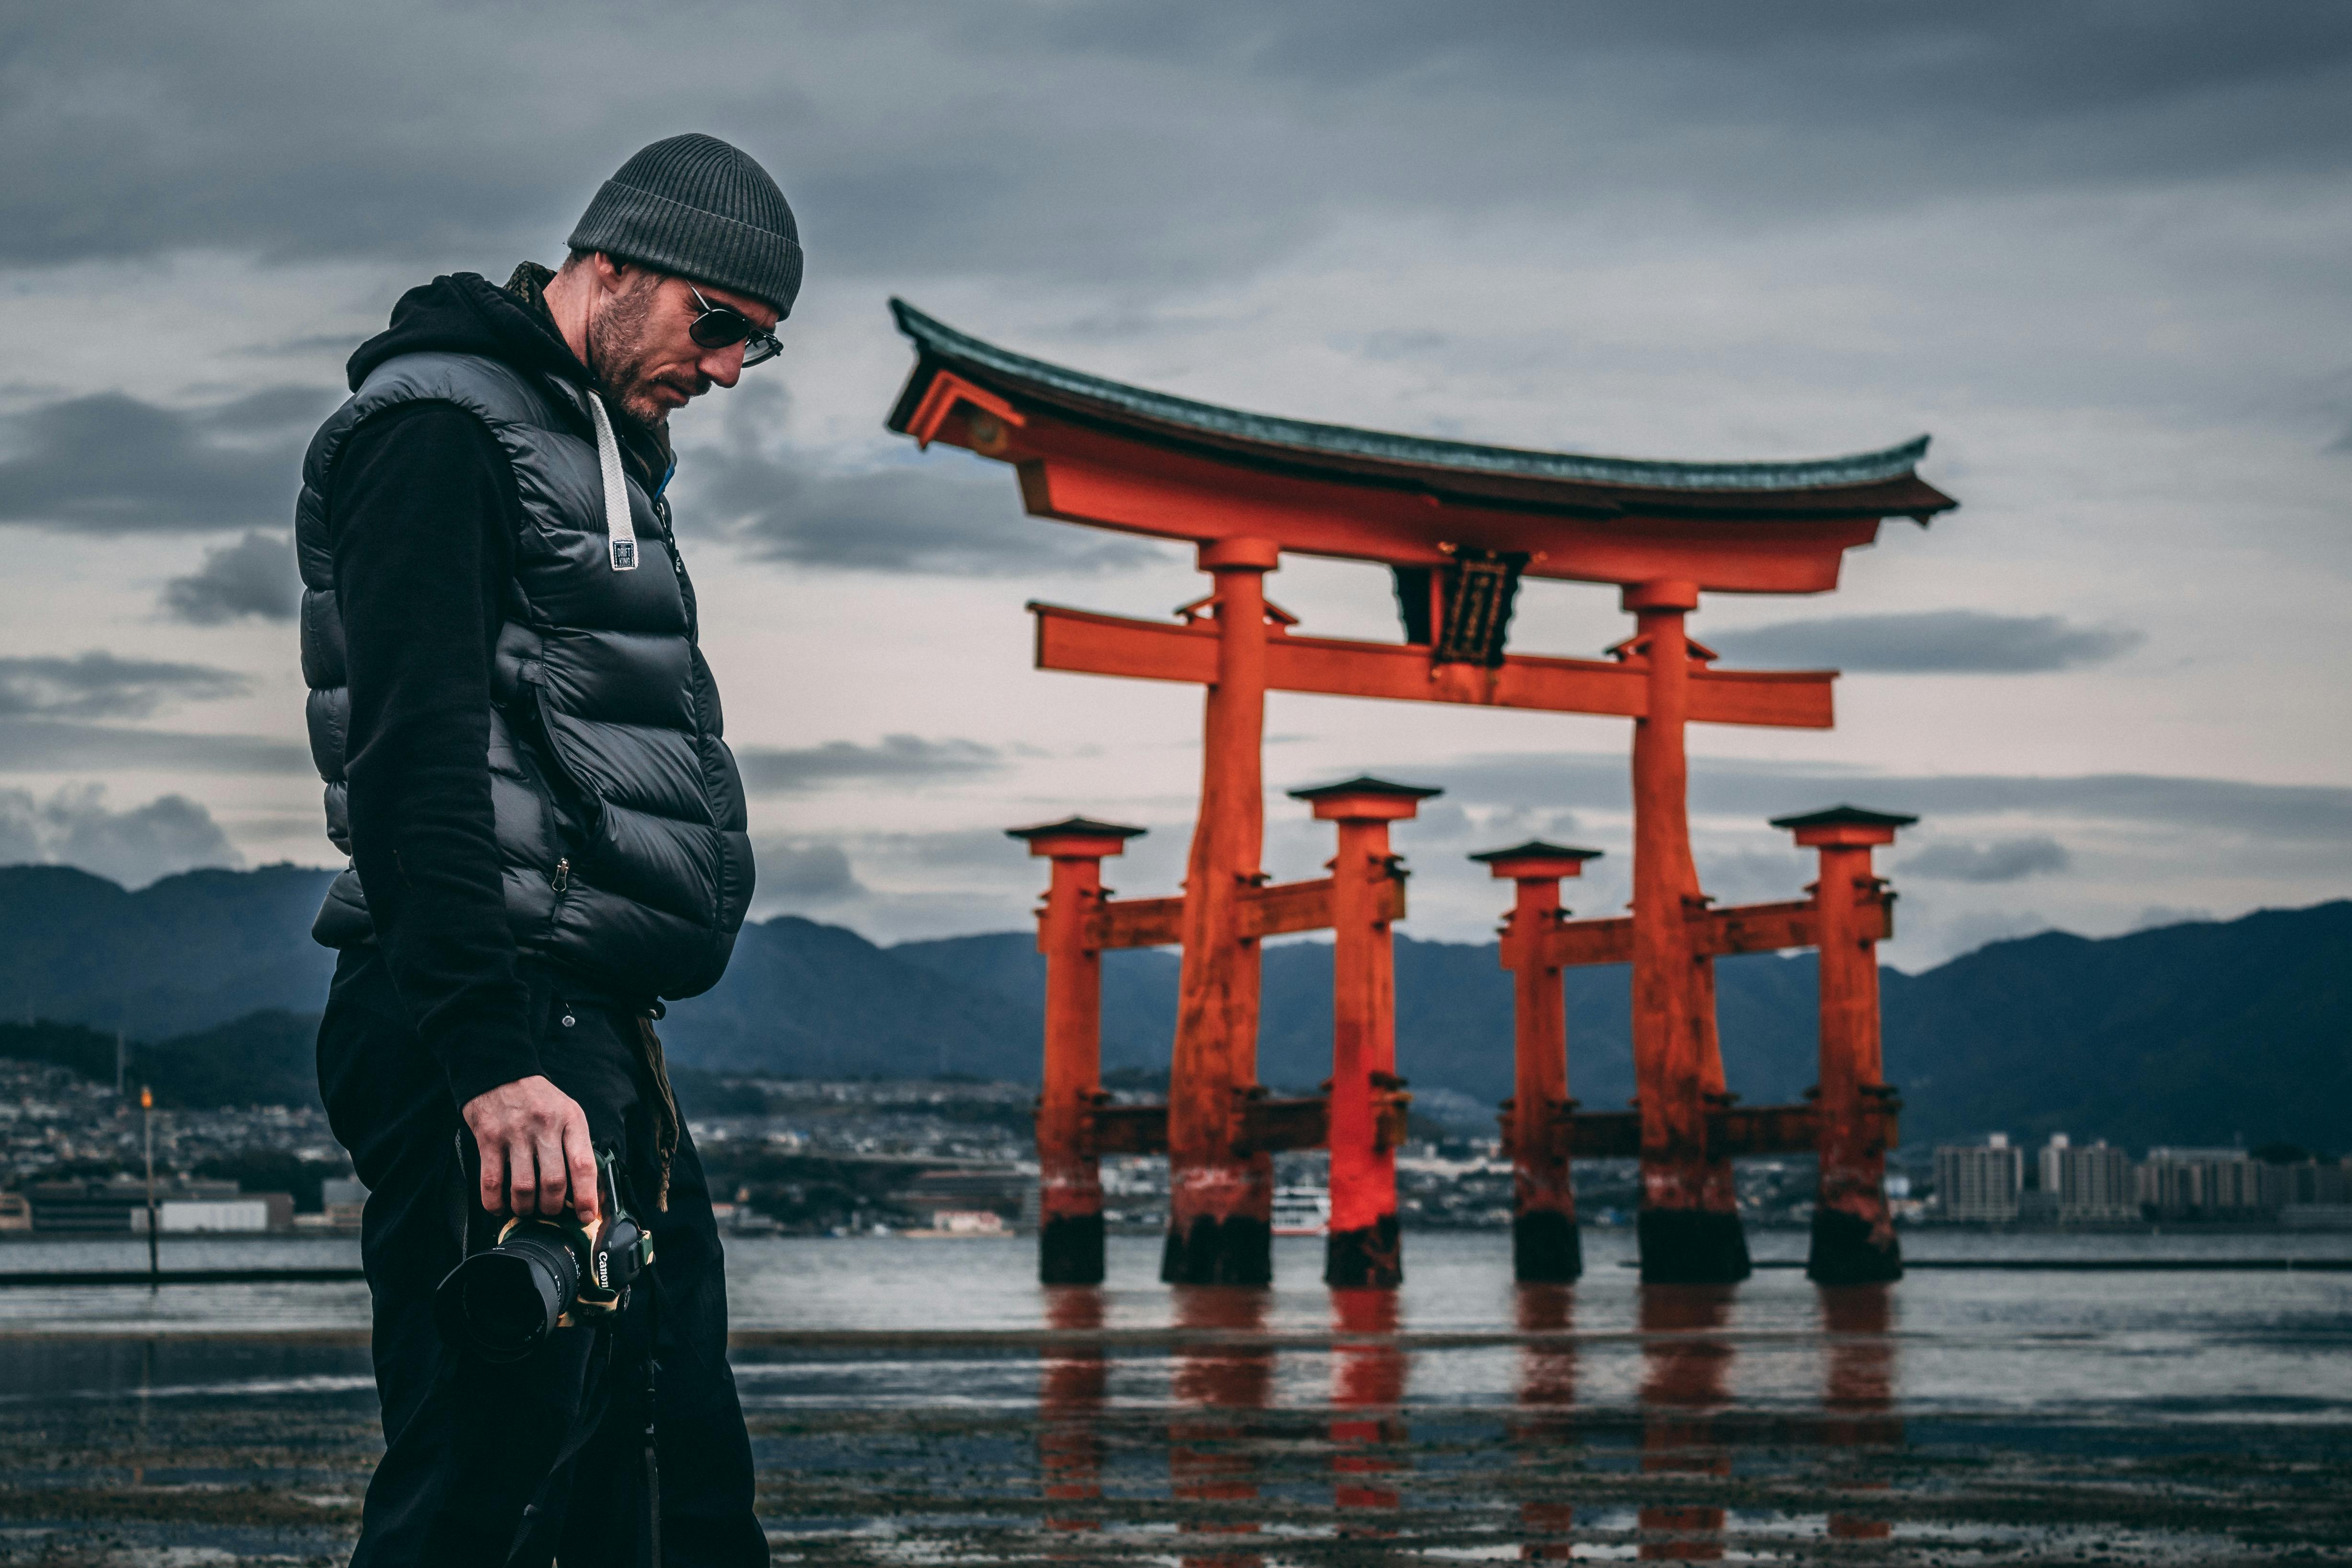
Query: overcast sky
[(2097, 251)]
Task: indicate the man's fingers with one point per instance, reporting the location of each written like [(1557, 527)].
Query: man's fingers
[(522, 1178), (555, 1176), (494, 1178), (582, 1156)]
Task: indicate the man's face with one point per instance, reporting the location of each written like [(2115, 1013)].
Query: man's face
[(642, 348)]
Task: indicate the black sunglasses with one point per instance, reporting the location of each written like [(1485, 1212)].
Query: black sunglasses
[(719, 326)]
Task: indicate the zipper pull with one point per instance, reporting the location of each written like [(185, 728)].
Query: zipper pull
[(563, 875)]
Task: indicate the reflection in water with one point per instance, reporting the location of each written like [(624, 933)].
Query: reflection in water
[(1070, 1408), (1686, 1377), (1367, 1382), (1208, 1453), (1547, 1402), (1860, 1398)]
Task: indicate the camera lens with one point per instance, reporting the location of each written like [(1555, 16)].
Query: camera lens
[(501, 1304)]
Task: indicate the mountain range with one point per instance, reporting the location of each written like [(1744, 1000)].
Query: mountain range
[(2197, 1033)]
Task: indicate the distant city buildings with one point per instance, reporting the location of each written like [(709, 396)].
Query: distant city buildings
[(2074, 1185), (2199, 1183), (2064, 1183), (1979, 1182)]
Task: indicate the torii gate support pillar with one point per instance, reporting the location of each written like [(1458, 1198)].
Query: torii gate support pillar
[(1221, 1201), (1689, 1217), (1545, 1246), (1363, 1249), (1854, 1232), (1069, 1175)]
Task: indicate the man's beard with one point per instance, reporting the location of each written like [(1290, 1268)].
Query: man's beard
[(616, 352)]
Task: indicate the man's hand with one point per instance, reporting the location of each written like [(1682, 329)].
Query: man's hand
[(535, 1151)]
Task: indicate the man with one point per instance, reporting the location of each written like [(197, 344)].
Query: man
[(522, 744)]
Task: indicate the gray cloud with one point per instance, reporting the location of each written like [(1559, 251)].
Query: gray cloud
[(1152, 140), (2005, 859), (60, 745), (806, 874), (99, 686), (1932, 641), (110, 463), (74, 826), (255, 576), (2307, 813), (938, 516), (902, 759)]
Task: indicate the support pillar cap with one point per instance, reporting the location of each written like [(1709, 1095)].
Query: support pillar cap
[(1537, 861), (1364, 798), (1263, 554), (1843, 826), (1665, 594), (1076, 838)]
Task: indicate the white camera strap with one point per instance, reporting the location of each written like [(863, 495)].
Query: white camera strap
[(620, 528)]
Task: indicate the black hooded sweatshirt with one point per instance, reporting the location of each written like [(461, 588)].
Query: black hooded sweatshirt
[(422, 514)]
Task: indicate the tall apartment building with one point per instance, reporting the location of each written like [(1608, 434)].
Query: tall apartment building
[(2088, 1185), (2306, 1183), (2201, 1184), (1979, 1182)]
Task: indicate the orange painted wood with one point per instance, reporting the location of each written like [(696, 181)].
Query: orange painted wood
[(1363, 1037), (1080, 475), (1263, 1126), (1273, 911), (971, 406), (1852, 1087), (1675, 1060), (1715, 933), (1731, 1131), (1215, 1054), (1541, 1180), (1139, 923), (1070, 1182), (1082, 641)]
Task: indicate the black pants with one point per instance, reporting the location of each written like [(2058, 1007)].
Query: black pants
[(468, 1445)]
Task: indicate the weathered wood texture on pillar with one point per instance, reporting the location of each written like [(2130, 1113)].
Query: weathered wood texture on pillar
[(1853, 1233), (1069, 1169), (1545, 1247), (1689, 1220), (1221, 1202), (1363, 1249)]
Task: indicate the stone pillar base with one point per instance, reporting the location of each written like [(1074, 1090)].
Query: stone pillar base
[(1070, 1251), (1369, 1258), (1844, 1254), (1235, 1250), (1691, 1247), (1546, 1249)]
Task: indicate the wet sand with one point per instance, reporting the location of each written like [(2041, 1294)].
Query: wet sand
[(1956, 1420)]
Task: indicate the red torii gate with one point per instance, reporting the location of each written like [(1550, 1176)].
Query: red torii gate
[(1459, 525)]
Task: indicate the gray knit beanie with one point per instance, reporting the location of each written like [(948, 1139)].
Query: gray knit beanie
[(695, 206)]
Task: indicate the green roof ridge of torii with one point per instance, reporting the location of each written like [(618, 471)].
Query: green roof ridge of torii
[(1365, 784), (943, 342), (1537, 848), (1077, 827), (1845, 816)]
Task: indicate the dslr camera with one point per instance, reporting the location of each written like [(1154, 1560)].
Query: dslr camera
[(544, 1273)]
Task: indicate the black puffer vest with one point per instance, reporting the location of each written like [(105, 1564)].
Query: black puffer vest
[(620, 813)]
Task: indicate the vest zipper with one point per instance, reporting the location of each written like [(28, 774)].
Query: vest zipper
[(562, 874)]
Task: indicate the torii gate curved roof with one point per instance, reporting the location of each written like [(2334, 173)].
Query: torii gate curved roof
[(1094, 451)]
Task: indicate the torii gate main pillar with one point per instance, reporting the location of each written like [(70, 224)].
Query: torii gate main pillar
[(1689, 1217), (1221, 1203)]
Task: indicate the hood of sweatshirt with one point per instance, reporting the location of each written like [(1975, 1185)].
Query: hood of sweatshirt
[(465, 313)]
